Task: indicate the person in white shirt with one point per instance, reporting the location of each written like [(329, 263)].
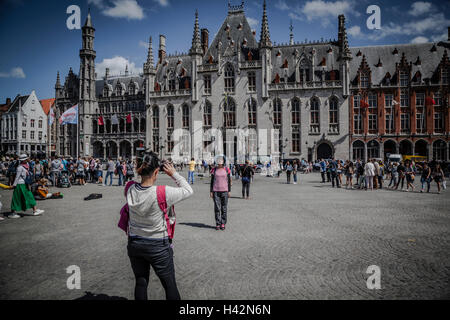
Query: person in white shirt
[(148, 236), (369, 170)]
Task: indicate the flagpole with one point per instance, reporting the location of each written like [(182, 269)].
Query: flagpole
[(78, 133)]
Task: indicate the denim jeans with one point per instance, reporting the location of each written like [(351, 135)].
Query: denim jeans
[(110, 175), (220, 207), (157, 253), (427, 181), (191, 177), (120, 179), (245, 189)]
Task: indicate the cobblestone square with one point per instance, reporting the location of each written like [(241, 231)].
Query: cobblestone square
[(305, 241)]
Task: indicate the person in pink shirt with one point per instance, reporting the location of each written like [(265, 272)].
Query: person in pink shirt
[(220, 190)]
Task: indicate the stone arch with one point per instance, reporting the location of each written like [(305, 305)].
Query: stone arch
[(325, 149), (373, 149), (421, 148), (98, 150), (405, 147), (439, 150), (390, 147), (125, 149), (111, 149), (358, 150)]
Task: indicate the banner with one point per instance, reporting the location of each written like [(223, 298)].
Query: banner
[(114, 120), (70, 116), (51, 117)]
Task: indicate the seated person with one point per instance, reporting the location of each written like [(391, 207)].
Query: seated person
[(41, 191)]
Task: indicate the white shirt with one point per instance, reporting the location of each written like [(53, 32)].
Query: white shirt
[(369, 169)]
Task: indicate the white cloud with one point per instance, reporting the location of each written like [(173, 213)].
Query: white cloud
[(433, 23), (162, 3), (143, 44), (420, 39), (252, 22), (281, 5), (420, 7), (355, 31), (324, 11), (129, 9), (117, 66), (14, 73), (440, 37)]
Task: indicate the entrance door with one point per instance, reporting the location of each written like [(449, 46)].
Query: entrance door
[(324, 151)]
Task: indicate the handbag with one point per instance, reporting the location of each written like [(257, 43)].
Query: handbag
[(125, 211)]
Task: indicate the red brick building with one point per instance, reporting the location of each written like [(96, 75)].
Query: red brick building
[(399, 101)]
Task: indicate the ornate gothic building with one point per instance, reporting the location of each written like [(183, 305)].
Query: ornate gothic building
[(251, 99)]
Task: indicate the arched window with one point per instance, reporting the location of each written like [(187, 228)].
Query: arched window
[(229, 78), (252, 111), (108, 125), (334, 115), (143, 124), (439, 150), (358, 150), (94, 126), (295, 111), (373, 149), (105, 92), (186, 117), (277, 113), (155, 117), (229, 113), (170, 117), (207, 109), (304, 71), (136, 125), (315, 116), (108, 109), (131, 89), (118, 90)]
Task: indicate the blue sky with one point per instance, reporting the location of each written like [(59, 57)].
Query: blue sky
[(36, 42)]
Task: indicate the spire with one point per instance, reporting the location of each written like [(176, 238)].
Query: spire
[(150, 61), (265, 35), (58, 81), (342, 39), (126, 70), (88, 19), (196, 43), (291, 36)]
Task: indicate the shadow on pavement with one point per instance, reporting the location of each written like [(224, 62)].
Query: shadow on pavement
[(197, 225), (99, 297)]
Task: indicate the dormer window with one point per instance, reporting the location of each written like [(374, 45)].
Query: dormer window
[(118, 90), (131, 89), (404, 78), (444, 76), (105, 92), (364, 80)]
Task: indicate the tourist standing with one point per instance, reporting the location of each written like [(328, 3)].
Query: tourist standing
[(55, 170), (401, 175), (349, 175), (438, 176), (369, 171), (148, 242), (410, 176), (289, 170), (333, 167), (295, 170), (220, 191), (110, 167), (246, 177), (191, 171), (323, 169)]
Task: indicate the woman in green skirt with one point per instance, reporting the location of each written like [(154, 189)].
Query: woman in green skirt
[(23, 199)]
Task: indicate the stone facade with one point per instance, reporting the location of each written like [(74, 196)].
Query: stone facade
[(245, 98)]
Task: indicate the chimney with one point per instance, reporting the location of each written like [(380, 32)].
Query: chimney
[(448, 33), (205, 40), (162, 48), (8, 101), (106, 74)]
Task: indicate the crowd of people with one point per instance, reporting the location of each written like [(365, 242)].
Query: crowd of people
[(373, 174)]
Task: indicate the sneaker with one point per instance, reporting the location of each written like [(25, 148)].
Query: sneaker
[(217, 227), (1, 218), (14, 216), (38, 212), (222, 227)]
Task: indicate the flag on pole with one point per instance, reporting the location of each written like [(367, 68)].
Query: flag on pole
[(394, 102), (114, 120), (51, 117), (364, 104), (70, 116), (430, 101), (100, 121), (129, 118)]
